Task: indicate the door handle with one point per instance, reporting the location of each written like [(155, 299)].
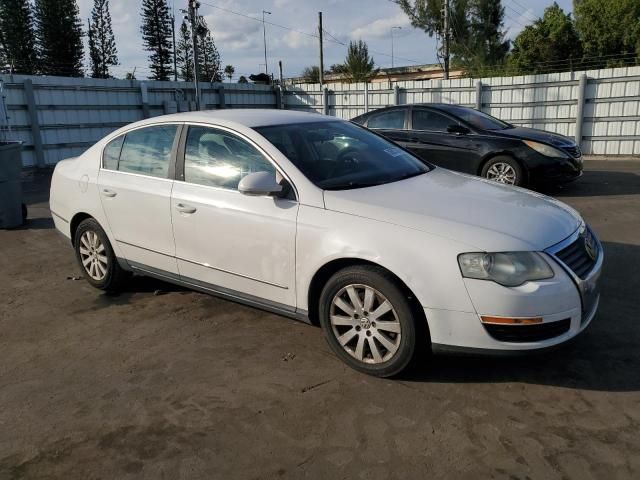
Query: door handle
[(182, 208), (108, 193)]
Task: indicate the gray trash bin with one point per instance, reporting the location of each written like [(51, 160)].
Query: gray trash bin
[(11, 214)]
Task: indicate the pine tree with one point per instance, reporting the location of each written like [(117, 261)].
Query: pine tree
[(184, 53), (156, 35), (17, 36), (359, 66), (209, 58), (102, 43), (59, 37)]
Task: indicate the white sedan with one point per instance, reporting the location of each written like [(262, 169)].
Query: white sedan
[(324, 221)]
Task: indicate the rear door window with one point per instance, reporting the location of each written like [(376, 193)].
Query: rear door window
[(147, 151), (392, 120)]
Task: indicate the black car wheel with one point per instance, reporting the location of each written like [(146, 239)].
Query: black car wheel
[(503, 169)]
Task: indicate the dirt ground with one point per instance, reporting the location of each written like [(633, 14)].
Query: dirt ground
[(164, 383)]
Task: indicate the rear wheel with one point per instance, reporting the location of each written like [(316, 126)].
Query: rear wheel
[(96, 258), (368, 321), (503, 170)]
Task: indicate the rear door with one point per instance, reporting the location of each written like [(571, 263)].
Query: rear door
[(390, 123), (135, 184), (430, 139)]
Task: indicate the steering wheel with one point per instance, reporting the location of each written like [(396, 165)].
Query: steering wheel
[(343, 162)]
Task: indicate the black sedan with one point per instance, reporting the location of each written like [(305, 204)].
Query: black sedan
[(464, 139)]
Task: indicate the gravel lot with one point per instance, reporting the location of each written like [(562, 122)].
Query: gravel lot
[(163, 383)]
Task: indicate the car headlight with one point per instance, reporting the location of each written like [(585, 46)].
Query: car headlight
[(546, 150), (508, 268)]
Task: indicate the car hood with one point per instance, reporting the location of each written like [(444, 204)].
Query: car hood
[(469, 210), (536, 135)]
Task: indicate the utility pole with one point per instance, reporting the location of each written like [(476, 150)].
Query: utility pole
[(392, 28), (264, 36), (321, 75), (280, 70), (193, 18), (173, 34), (445, 39)]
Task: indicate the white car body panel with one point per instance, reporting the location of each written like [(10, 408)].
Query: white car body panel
[(139, 217), (270, 249), (453, 205), (241, 242)]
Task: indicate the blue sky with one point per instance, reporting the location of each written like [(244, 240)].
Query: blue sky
[(240, 42)]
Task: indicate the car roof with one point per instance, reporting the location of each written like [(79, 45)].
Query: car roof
[(249, 117)]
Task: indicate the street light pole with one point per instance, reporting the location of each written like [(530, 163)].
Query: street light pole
[(392, 28), (264, 36)]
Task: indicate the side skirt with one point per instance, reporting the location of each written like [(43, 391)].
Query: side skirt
[(227, 294)]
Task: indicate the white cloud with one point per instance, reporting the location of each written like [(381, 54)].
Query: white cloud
[(381, 28)]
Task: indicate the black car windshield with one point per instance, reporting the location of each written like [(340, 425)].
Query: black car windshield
[(478, 119), (341, 155)]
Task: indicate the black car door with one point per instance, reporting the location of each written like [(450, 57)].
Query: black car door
[(390, 123), (442, 140)]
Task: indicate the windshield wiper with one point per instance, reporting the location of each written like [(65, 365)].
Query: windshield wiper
[(351, 185)]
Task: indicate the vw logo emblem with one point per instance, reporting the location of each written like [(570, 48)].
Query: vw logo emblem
[(590, 245)]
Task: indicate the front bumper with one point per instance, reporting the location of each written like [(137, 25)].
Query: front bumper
[(546, 170), (566, 304)]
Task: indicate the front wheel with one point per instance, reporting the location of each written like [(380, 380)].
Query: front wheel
[(503, 170), (96, 258), (368, 321)]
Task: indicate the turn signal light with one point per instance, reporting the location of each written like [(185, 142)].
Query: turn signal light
[(510, 321)]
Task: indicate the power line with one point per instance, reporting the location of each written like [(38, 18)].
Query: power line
[(524, 13), (312, 35)]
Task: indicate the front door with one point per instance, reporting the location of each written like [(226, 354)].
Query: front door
[(135, 184), (226, 240), (430, 139)]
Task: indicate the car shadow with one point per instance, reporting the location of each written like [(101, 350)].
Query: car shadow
[(43, 223), (597, 183), (605, 357)]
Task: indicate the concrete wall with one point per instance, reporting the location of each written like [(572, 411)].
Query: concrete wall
[(60, 117)]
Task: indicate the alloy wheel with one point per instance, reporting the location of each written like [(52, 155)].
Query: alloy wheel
[(93, 255), (365, 324), (502, 172)]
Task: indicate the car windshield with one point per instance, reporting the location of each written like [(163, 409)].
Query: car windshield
[(341, 155), (479, 119)]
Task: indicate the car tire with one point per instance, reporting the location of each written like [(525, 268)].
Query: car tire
[(505, 170), (357, 336), (95, 256)]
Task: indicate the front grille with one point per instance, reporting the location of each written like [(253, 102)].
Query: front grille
[(581, 255), (574, 151), (528, 333)]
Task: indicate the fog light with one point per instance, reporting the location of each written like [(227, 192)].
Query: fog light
[(510, 320)]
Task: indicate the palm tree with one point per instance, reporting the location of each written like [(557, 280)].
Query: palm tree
[(229, 71)]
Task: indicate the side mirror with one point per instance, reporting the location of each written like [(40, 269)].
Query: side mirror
[(259, 184), (458, 129)]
